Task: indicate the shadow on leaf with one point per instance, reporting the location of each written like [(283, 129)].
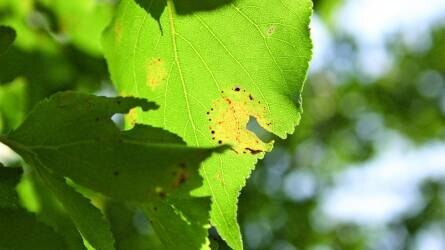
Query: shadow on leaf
[(182, 7)]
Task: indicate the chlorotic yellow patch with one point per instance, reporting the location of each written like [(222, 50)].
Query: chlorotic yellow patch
[(156, 73), (131, 117), (118, 32), (228, 118)]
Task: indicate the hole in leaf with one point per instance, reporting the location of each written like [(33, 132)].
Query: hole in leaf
[(259, 131)]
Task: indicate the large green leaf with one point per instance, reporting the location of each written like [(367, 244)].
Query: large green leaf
[(212, 65), (72, 135)]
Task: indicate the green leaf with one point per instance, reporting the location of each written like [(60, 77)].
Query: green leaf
[(9, 178), (51, 211), (212, 65), (131, 229), (19, 230), (181, 221), (7, 37), (87, 218), (12, 104), (72, 135), (82, 21)]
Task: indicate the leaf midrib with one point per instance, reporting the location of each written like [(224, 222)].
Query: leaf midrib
[(176, 57)]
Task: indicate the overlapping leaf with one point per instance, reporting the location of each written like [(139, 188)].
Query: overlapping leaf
[(7, 37), (72, 135), (9, 177), (20, 229), (212, 65)]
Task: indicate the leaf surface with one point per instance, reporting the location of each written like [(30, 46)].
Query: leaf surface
[(9, 178), (87, 218), (18, 228), (72, 135), (211, 66), (7, 37), (21, 231)]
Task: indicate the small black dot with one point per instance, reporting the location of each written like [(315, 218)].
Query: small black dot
[(219, 142), (237, 89), (208, 113), (213, 131)]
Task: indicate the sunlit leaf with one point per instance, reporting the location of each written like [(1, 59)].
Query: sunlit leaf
[(211, 66)]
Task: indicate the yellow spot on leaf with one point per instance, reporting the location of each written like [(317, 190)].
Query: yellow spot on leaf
[(271, 30), (131, 117), (156, 73), (228, 118), (118, 32)]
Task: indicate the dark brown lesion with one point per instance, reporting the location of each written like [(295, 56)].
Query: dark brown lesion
[(254, 151), (181, 176)]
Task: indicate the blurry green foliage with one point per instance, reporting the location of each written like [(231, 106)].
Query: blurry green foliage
[(55, 51)]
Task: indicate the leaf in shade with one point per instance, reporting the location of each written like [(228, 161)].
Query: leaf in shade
[(7, 37)]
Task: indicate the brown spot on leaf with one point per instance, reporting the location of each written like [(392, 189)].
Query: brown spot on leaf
[(181, 176), (160, 191), (254, 151)]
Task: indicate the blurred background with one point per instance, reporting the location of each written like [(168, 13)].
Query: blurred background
[(364, 170)]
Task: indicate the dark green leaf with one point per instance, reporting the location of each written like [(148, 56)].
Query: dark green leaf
[(73, 135), (9, 178), (19, 230), (87, 218), (7, 37)]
